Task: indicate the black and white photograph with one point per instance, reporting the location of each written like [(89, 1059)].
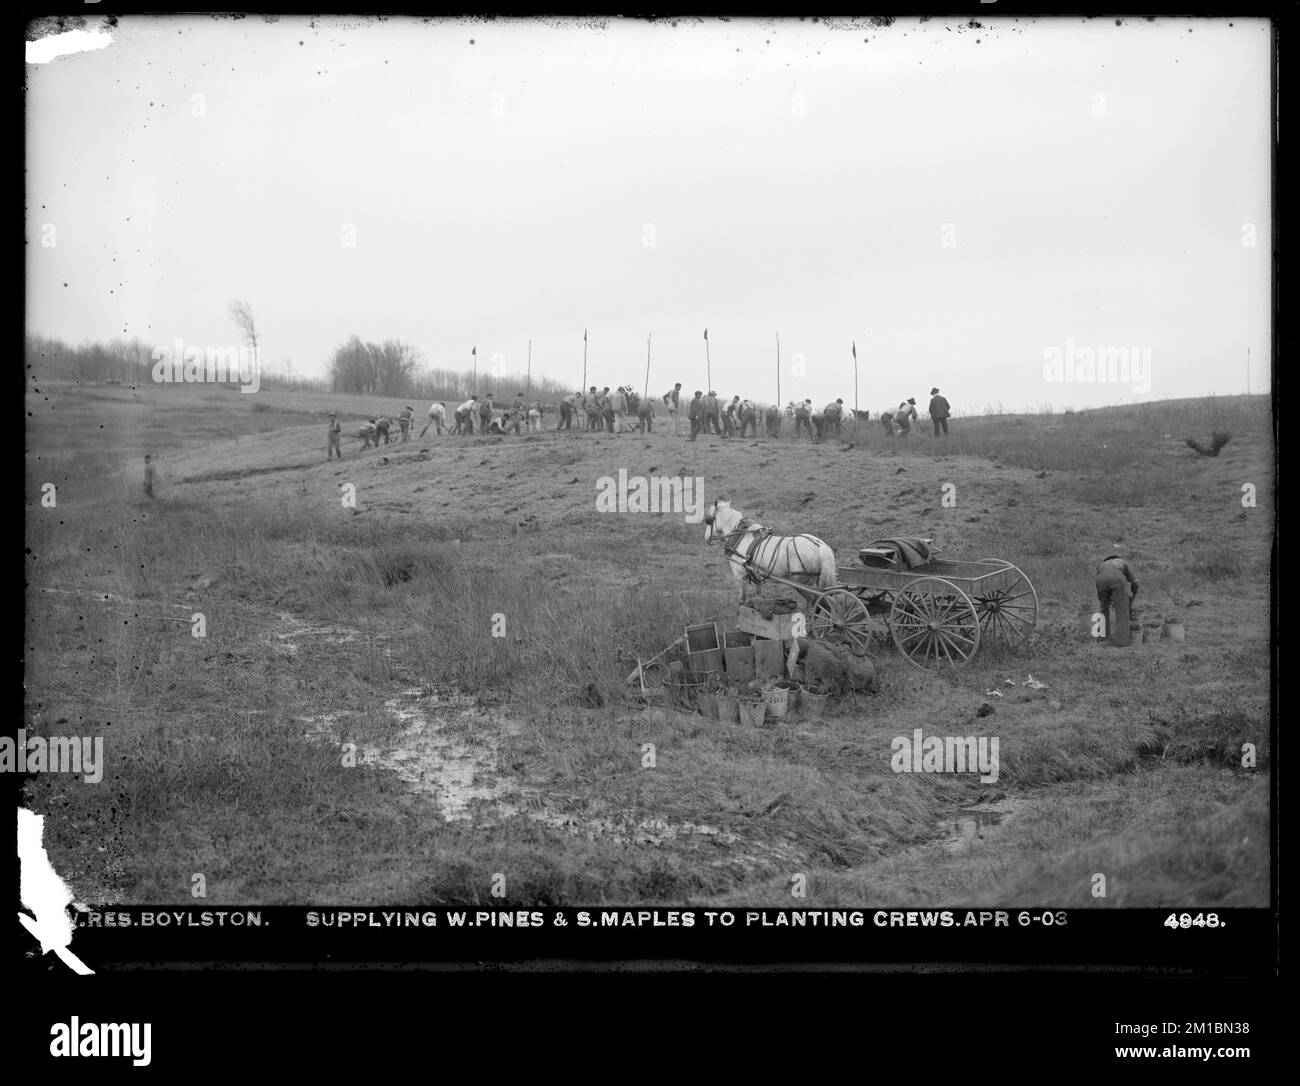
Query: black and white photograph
[(719, 478)]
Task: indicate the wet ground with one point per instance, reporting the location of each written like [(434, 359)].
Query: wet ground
[(973, 827)]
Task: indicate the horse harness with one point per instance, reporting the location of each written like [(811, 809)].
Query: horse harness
[(730, 542)]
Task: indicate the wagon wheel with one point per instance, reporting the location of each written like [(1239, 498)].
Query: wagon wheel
[(838, 615), (1007, 614), (933, 619)]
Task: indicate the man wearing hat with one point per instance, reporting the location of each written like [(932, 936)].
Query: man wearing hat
[(938, 412), (803, 419), (905, 415), (606, 401), (833, 413), (404, 421), (335, 430), (591, 408), (618, 405), (695, 412), (711, 413), (748, 416), (465, 416), (437, 417), (1116, 587)]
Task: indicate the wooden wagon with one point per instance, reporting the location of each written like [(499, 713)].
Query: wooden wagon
[(938, 611)]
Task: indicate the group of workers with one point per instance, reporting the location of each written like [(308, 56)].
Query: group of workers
[(623, 411), (898, 420)]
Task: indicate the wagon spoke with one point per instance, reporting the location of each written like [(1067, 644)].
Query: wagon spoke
[(1009, 612)]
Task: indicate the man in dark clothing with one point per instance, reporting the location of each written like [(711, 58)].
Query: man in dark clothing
[(748, 418), (938, 412), (696, 414), (607, 409), (646, 413), (335, 431), (1116, 586), (803, 419), (833, 413)]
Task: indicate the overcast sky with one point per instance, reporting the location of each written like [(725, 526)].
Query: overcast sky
[(959, 200)]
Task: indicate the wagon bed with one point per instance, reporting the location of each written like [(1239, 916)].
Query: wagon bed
[(967, 575), (938, 611)]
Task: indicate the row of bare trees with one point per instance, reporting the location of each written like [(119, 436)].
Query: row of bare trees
[(118, 360), (391, 368)]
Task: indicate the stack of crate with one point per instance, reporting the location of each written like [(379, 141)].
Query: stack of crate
[(758, 647), (771, 638)]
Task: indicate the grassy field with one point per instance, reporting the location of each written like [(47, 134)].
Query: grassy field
[(521, 755)]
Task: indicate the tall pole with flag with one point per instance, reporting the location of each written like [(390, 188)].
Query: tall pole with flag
[(474, 352), (528, 385), (584, 361), (647, 364), (708, 366)]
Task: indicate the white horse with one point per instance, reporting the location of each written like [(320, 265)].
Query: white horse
[(755, 553)]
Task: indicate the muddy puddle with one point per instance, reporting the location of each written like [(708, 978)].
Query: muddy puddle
[(446, 750), (971, 827)]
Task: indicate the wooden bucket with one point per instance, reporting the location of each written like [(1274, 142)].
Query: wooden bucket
[(815, 704), (778, 701)]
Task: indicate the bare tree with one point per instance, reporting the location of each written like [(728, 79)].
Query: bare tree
[(242, 314)]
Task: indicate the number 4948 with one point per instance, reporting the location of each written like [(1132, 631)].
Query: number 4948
[(1187, 920)]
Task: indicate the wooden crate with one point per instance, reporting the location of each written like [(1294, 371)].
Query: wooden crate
[(702, 637), (769, 658), (777, 628), (738, 649)]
